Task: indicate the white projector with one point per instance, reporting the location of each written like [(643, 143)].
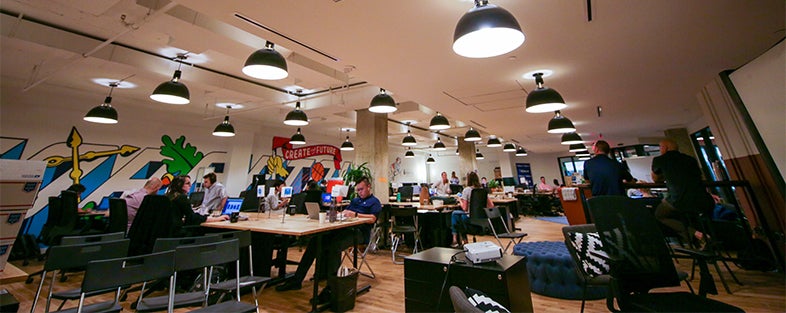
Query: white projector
[(482, 252)]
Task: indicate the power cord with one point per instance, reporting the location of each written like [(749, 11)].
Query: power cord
[(453, 259)]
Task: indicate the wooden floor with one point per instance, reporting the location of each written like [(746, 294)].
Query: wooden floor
[(761, 292)]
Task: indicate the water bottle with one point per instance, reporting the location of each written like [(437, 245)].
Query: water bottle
[(332, 212), (398, 197)]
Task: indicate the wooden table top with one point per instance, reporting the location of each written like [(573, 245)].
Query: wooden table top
[(430, 207), (503, 200), (293, 225)]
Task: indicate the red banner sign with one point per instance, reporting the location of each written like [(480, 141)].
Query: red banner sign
[(290, 153)]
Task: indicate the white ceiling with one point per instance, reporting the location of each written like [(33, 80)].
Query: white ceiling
[(642, 61)]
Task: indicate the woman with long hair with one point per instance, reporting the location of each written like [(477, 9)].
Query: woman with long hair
[(462, 216), (183, 214)]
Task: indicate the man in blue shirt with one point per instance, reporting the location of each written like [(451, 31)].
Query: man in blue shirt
[(604, 173)]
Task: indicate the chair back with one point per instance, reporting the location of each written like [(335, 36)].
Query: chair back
[(460, 301), (114, 273), (639, 257), (75, 240), (54, 213), (493, 214), (78, 255), (196, 256), (196, 197), (154, 219), (299, 201), (164, 244), (583, 238), (406, 193), (250, 202), (477, 202), (118, 216), (403, 217), (70, 209)]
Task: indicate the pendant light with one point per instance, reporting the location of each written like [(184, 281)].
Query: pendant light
[(173, 91), (486, 31), (509, 147), (224, 129), (560, 124), (472, 135), (571, 138), (430, 160), (409, 154), (347, 145), (266, 63), (583, 154), (439, 122), (493, 142), (577, 147), (521, 152), (298, 138), (409, 140), (382, 103), (439, 146), (296, 117), (544, 99), (104, 113), (479, 155)]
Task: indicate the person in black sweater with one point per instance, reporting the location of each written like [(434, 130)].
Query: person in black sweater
[(182, 213)]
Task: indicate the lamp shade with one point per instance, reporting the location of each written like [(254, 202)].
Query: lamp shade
[(485, 31), (583, 154), (172, 92), (509, 147), (479, 155), (409, 140), (430, 159), (439, 122), (571, 138), (544, 99), (347, 145), (224, 129), (102, 114), (521, 152), (439, 146), (298, 138), (493, 142), (382, 103), (560, 124), (266, 63), (472, 135), (409, 154), (577, 148), (296, 117)]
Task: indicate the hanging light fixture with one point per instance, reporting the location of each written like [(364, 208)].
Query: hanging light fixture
[(266, 63), (439, 122), (479, 155), (104, 113), (224, 129), (521, 152), (577, 147), (430, 160), (409, 154), (382, 103), (486, 31), (583, 154), (509, 147), (560, 124), (347, 145), (296, 117), (439, 146), (409, 140), (493, 142), (544, 99), (173, 91), (472, 135), (298, 138), (571, 138)]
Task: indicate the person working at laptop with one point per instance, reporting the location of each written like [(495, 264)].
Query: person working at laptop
[(181, 207), (365, 205), (134, 199), (215, 195), (274, 202)]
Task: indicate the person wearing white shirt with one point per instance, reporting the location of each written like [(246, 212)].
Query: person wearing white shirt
[(443, 186), (273, 201), (215, 195)]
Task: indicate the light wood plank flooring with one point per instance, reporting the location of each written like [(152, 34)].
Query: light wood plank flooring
[(761, 292)]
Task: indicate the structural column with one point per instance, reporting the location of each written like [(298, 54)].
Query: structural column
[(371, 147), (468, 163)]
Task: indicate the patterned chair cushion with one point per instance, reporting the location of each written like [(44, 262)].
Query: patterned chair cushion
[(483, 302), (588, 246)]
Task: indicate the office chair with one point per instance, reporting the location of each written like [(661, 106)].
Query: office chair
[(61, 221), (406, 193), (591, 263), (299, 201), (71, 256), (118, 216), (154, 219), (639, 261), (492, 213), (207, 256), (371, 246), (250, 280), (399, 228), (477, 223)]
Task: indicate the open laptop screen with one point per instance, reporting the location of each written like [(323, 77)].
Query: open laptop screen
[(232, 205)]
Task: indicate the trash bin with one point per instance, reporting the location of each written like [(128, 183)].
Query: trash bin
[(343, 290)]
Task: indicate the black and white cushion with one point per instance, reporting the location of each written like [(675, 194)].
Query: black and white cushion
[(589, 248), (483, 302)]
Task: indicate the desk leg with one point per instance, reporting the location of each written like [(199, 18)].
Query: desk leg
[(317, 265), (262, 247)]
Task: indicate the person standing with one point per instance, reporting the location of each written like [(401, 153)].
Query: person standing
[(605, 174), (215, 195), (443, 185), (687, 195), (134, 199)]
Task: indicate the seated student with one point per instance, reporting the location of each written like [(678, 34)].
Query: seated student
[(462, 215), (443, 186), (273, 201), (365, 205), (544, 187), (183, 214), (313, 192)]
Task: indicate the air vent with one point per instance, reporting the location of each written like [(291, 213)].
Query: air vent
[(262, 26)]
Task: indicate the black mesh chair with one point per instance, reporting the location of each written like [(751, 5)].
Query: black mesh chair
[(61, 221), (118, 216), (403, 221), (639, 261), (477, 224), (406, 193), (493, 214)]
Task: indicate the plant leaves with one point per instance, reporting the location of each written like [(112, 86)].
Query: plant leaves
[(184, 156)]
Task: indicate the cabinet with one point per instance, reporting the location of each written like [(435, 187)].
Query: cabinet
[(504, 280)]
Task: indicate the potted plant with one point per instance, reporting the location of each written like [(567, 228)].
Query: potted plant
[(494, 186), (352, 174)]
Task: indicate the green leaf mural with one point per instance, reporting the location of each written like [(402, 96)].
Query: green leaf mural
[(184, 156)]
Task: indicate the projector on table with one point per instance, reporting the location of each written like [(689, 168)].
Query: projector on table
[(482, 252)]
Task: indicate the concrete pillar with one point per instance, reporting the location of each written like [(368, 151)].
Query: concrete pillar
[(371, 147), (468, 163), (681, 137)]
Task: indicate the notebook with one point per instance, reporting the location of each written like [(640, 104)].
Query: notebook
[(313, 210), (232, 205)]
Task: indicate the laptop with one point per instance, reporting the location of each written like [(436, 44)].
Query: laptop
[(313, 210), (232, 205)]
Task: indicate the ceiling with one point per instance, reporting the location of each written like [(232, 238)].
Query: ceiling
[(642, 62)]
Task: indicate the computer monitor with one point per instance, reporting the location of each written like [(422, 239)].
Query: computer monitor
[(286, 192), (326, 198), (232, 206), (415, 190), (196, 198), (104, 204)]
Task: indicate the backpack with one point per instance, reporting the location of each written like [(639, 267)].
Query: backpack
[(755, 257)]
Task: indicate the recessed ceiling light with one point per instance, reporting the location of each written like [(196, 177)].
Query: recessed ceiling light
[(348, 129), (230, 105), (546, 73), (120, 84)]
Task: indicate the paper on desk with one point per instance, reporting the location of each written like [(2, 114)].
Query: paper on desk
[(568, 193)]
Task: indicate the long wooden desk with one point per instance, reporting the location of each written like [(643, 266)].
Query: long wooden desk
[(292, 225)]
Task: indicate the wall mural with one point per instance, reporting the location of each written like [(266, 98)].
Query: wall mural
[(107, 168)]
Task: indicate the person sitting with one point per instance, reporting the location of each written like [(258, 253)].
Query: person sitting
[(215, 195), (134, 199), (462, 215), (273, 201), (183, 215), (544, 187), (454, 179), (443, 186)]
